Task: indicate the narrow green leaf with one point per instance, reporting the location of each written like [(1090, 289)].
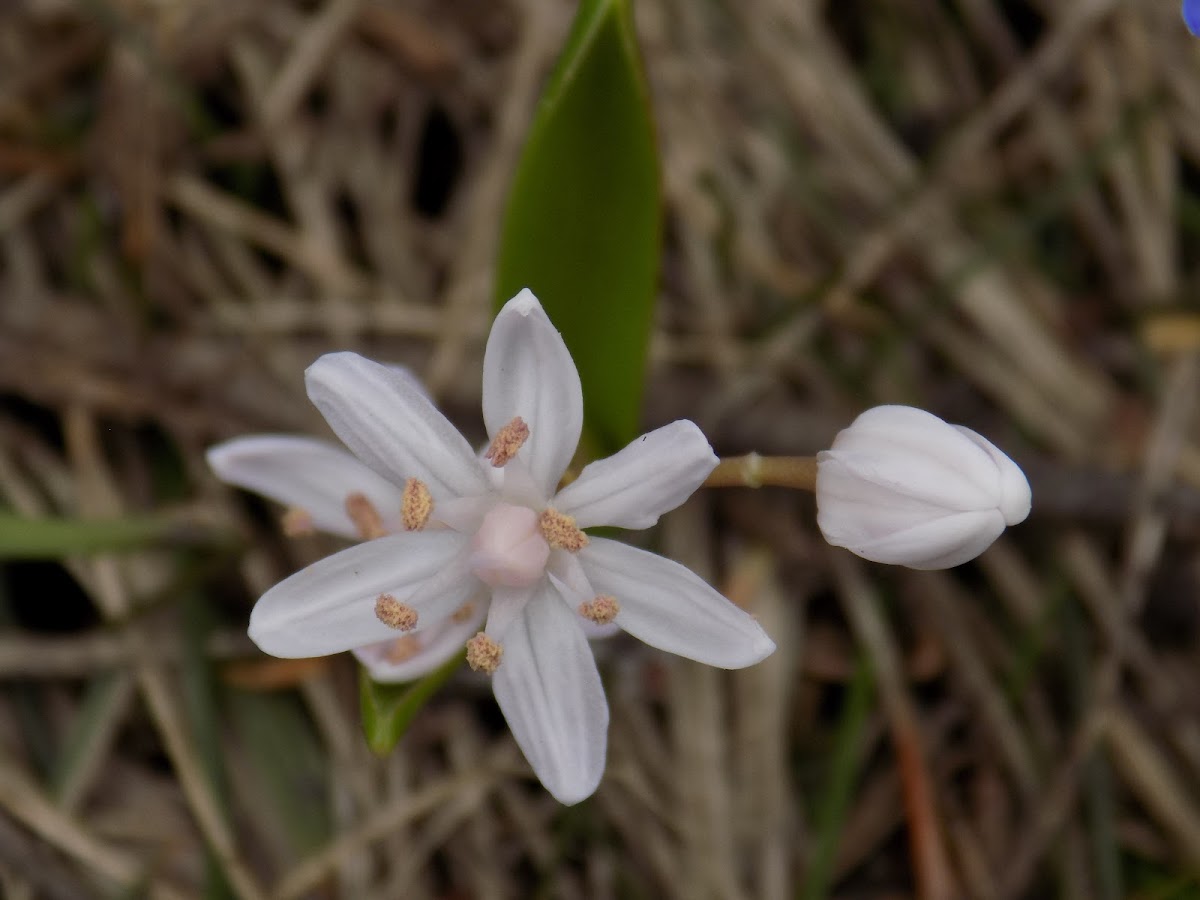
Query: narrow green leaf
[(83, 748), (204, 724), (25, 538), (582, 227), (290, 768), (831, 815), (387, 709)]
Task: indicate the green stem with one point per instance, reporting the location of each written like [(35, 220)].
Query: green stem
[(387, 709)]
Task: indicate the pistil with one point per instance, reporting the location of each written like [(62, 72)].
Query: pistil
[(508, 550)]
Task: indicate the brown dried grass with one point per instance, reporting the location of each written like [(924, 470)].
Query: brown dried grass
[(985, 208)]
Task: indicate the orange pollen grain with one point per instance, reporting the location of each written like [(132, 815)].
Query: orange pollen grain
[(601, 610), (402, 649), (416, 505), (560, 531), (507, 442), (365, 516), (483, 654), (463, 613), (297, 522), (394, 614)]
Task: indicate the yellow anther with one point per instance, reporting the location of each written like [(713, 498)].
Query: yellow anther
[(402, 649), (601, 610), (463, 613), (507, 442), (483, 654), (560, 531), (416, 505), (394, 614), (365, 516), (297, 522)]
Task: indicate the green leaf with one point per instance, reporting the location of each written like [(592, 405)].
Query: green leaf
[(387, 709), (86, 742), (290, 771), (25, 538), (583, 223), (839, 785), (204, 725)]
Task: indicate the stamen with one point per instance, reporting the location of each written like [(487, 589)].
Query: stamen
[(402, 649), (463, 613), (297, 522), (365, 516), (483, 654), (560, 531), (601, 610), (394, 614), (416, 505), (507, 442)]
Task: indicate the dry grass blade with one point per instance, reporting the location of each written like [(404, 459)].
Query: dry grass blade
[(934, 878)]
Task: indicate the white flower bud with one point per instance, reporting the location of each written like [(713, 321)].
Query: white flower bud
[(902, 487)]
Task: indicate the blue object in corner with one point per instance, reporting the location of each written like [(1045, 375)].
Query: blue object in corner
[(1191, 16)]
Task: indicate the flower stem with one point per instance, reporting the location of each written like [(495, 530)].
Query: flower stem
[(754, 471)]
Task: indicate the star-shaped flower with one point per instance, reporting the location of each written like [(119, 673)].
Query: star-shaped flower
[(493, 538)]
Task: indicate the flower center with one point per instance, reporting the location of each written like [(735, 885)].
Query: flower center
[(508, 550)]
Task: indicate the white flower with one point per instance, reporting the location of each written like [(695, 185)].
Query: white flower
[(900, 486), (314, 479), (492, 538)]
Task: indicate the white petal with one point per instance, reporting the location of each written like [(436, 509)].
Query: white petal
[(463, 514), (388, 424), (594, 632), (411, 377), (1016, 498), (438, 644), (651, 476), (892, 471), (570, 591), (518, 485), (308, 474), (854, 508), (508, 605), (939, 544), (672, 608), (528, 372), (920, 456), (330, 606), (550, 692)]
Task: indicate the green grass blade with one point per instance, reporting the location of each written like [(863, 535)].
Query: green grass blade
[(25, 538), (104, 703), (831, 815)]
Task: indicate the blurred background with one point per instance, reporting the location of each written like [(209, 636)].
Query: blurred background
[(987, 208)]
